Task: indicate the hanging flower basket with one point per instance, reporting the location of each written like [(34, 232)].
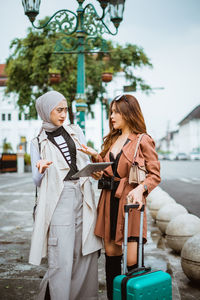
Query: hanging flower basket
[(106, 77), (54, 78)]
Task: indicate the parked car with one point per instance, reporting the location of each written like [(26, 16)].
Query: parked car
[(160, 156), (165, 156), (169, 156), (194, 155), (181, 156)]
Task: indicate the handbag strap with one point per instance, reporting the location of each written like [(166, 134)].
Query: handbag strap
[(137, 146), (36, 191)]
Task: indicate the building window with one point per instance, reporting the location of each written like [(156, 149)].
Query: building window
[(9, 117), (3, 117)]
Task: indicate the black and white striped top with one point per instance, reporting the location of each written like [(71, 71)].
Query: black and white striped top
[(63, 141), (62, 145)]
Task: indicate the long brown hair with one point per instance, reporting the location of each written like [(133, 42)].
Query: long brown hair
[(130, 110)]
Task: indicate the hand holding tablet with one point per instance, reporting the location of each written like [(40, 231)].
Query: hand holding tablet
[(91, 168)]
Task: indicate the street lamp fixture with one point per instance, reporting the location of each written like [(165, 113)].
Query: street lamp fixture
[(31, 8), (82, 29), (104, 3), (116, 11)]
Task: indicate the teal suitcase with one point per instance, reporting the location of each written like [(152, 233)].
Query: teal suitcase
[(141, 283)]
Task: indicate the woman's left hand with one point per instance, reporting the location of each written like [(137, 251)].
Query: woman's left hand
[(88, 151), (97, 175), (135, 196)]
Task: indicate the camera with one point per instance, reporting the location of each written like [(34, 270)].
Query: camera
[(106, 183)]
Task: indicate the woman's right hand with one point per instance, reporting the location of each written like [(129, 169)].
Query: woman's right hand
[(42, 165), (89, 151)]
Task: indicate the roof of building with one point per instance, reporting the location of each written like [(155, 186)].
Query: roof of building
[(194, 114), (3, 77), (2, 70)]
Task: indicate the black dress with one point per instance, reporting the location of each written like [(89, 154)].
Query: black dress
[(114, 201)]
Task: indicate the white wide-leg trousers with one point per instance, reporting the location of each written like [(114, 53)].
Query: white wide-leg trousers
[(70, 275)]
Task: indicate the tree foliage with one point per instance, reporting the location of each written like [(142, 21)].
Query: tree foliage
[(32, 57), (7, 147)]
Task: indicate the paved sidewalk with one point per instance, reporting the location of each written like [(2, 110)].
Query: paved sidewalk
[(20, 281)]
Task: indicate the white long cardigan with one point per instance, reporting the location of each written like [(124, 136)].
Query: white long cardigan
[(49, 194)]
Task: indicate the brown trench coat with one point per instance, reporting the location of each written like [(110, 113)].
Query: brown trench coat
[(147, 156)]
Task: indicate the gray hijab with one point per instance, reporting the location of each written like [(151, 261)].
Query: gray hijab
[(44, 105)]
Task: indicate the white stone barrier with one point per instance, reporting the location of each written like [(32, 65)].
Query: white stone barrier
[(167, 212), (180, 229), (152, 195), (159, 201), (190, 258)]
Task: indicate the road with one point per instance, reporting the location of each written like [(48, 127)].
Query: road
[(19, 280), (181, 180)]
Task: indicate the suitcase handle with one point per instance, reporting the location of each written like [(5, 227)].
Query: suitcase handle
[(129, 206), (136, 270), (126, 210)]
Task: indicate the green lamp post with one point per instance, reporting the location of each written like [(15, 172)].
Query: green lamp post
[(84, 28)]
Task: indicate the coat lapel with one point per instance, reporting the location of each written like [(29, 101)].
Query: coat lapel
[(129, 148)]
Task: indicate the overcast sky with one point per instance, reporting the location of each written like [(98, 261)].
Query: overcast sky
[(169, 32)]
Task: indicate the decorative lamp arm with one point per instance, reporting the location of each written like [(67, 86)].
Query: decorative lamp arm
[(98, 18), (60, 13)]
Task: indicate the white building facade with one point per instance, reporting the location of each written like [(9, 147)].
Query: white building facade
[(187, 138), (17, 129)]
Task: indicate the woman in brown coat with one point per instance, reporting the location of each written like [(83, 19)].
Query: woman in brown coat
[(126, 125)]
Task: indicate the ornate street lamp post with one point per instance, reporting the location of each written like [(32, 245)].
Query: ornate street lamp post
[(84, 29)]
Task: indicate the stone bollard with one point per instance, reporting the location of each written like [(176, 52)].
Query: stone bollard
[(158, 202), (180, 229), (190, 258), (20, 160), (153, 194), (166, 213), (157, 192)]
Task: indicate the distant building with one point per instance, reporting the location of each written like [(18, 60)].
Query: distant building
[(169, 143), (189, 131), (16, 128), (187, 138)]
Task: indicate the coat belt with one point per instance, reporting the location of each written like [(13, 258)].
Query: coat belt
[(122, 182)]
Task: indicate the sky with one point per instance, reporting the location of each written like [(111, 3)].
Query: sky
[(169, 33)]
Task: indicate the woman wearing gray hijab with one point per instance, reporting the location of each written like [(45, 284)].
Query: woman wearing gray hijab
[(65, 215)]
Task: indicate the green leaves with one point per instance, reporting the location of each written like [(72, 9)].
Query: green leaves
[(32, 57)]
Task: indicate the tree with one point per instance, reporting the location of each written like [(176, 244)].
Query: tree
[(32, 57), (7, 147)]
